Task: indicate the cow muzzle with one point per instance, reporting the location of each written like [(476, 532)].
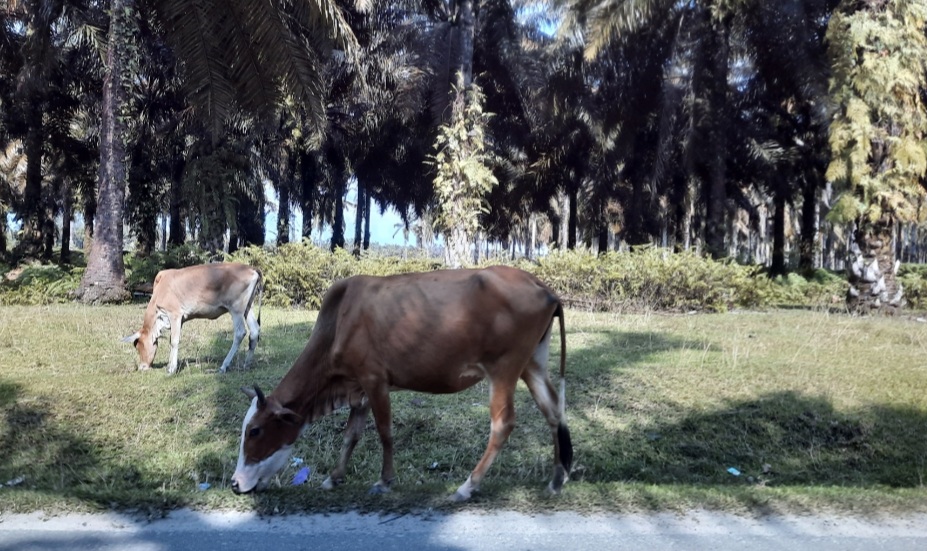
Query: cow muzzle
[(237, 488)]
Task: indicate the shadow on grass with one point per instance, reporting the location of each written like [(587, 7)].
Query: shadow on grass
[(782, 439), (43, 457)]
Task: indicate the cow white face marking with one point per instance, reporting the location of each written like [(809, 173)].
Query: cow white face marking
[(145, 346), (261, 455)]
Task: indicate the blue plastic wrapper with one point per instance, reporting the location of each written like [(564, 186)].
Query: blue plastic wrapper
[(301, 476)]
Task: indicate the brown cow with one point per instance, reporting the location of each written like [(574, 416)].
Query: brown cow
[(437, 332), (206, 291)]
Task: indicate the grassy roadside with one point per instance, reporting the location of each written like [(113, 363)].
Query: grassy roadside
[(816, 411)]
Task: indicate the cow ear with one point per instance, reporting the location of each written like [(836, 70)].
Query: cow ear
[(289, 417), (132, 338)]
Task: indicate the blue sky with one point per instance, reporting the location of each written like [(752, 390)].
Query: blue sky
[(383, 227)]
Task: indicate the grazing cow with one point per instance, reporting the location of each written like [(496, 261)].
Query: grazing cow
[(437, 332), (206, 291)]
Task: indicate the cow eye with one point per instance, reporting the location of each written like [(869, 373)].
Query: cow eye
[(254, 432)]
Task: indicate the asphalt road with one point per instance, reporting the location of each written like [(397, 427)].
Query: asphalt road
[(696, 531)]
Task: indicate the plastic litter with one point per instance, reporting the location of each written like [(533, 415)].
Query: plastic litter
[(14, 481), (733, 471), (296, 461), (203, 486), (300, 477)]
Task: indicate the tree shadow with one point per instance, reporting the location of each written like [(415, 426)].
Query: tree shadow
[(43, 457), (782, 438)]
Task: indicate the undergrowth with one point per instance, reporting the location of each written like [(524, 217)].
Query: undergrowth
[(648, 279)]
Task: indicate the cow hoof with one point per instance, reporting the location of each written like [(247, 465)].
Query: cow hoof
[(328, 484), (560, 478), (458, 497), (378, 489)]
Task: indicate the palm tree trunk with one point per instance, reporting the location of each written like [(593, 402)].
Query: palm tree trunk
[(367, 205), (809, 227), (717, 107), (777, 267), (338, 222), (874, 287), (573, 194), (462, 46), (104, 278), (67, 214), (30, 242), (177, 231), (283, 214), (458, 241), (307, 191), (359, 219), (3, 230)]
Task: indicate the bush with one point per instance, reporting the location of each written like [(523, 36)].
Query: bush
[(651, 279), (298, 274), (141, 271), (37, 284), (914, 279)]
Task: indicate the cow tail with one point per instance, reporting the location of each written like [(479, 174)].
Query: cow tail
[(256, 294), (563, 433), (562, 401)]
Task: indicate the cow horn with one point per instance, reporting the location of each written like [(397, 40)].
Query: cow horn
[(254, 392), (132, 338)]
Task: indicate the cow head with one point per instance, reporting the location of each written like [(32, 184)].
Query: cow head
[(146, 345), (267, 436), (145, 340)]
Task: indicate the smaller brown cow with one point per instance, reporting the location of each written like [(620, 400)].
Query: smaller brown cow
[(206, 291), (437, 332)]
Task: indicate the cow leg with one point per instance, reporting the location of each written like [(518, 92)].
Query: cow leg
[(378, 397), (353, 432), (502, 415), (238, 323), (254, 334), (547, 400), (176, 322)]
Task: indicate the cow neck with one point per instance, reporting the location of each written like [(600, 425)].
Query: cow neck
[(300, 388)]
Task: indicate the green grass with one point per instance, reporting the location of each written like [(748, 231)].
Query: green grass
[(817, 411)]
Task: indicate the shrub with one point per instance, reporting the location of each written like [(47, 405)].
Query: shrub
[(650, 279), (142, 270), (38, 284), (298, 274)]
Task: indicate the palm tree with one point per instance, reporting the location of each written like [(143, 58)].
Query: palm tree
[(236, 53), (878, 138), (104, 278)]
